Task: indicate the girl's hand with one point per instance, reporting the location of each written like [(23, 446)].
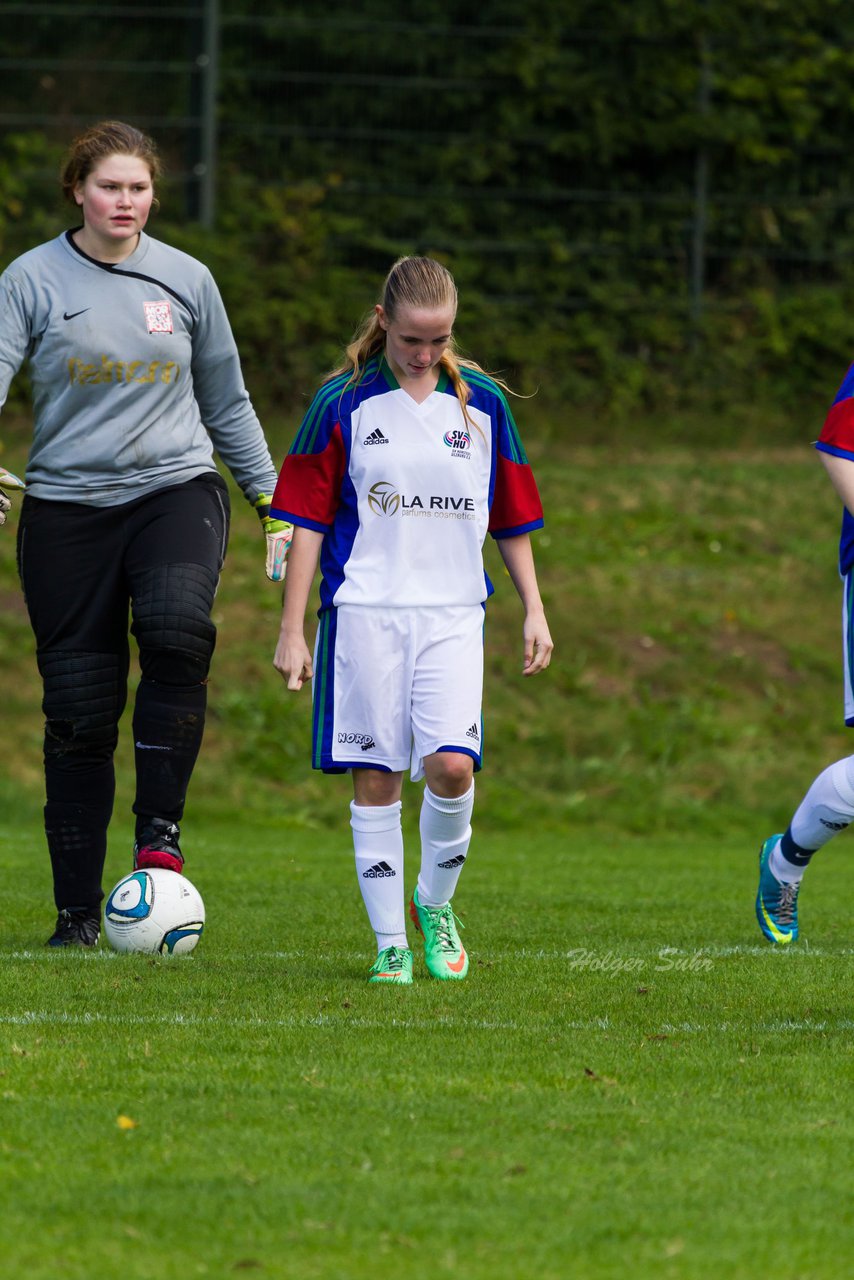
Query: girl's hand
[(292, 660), (538, 643)]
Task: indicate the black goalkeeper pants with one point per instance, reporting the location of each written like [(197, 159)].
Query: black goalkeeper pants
[(86, 572)]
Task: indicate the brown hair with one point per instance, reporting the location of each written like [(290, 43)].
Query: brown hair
[(109, 138), (424, 284)]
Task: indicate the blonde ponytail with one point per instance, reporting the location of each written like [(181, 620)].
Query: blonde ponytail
[(422, 284)]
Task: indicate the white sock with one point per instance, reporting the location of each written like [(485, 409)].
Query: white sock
[(378, 845), (445, 836), (827, 807), (782, 869)]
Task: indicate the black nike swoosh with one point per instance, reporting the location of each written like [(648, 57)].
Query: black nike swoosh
[(66, 316)]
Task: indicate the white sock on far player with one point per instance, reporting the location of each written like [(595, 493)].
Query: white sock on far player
[(378, 845), (445, 836), (826, 809)]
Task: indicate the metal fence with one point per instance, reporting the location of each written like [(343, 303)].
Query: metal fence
[(221, 75)]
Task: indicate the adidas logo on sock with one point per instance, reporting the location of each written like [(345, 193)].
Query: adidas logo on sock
[(473, 732), (378, 871), (453, 862), (376, 437)]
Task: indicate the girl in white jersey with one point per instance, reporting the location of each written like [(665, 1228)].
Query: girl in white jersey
[(407, 457), (136, 379)]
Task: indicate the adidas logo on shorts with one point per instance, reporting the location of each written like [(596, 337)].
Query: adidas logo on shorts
[(378, 871), (473, 732), (376, 437), (453, 862)]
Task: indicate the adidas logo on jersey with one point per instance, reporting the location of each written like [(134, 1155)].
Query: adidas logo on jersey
[(376, 437), (473, 732), (378, 871), (453, 862)]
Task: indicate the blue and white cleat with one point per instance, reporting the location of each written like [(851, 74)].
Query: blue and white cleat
[(776, 903)]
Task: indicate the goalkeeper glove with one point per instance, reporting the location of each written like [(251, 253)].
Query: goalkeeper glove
[(279, 536), (7, 481)]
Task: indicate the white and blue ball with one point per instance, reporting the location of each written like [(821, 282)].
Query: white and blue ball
[(154, 911)]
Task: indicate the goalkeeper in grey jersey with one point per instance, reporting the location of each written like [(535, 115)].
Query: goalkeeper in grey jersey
[(136, 380)]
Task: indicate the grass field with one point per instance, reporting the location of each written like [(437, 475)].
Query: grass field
[(629, 1082)]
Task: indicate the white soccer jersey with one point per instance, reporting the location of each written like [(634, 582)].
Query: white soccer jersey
[(405, 492)]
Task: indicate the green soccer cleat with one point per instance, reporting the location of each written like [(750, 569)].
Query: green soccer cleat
[(776, 903), (444, 954), (393, 964)]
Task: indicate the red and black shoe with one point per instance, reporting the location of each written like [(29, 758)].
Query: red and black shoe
[(157, 846)]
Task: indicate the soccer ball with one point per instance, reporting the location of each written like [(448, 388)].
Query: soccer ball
[(155, 911)]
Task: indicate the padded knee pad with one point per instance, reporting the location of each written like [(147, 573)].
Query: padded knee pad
[(172, 622), (84, 696)]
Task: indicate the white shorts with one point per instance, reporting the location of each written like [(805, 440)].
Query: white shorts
[(392, 686)]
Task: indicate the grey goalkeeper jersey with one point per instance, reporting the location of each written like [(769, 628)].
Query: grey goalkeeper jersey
[(135, 374)]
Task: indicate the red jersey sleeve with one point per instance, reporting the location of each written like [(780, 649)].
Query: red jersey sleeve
[(515, 505), (309, 485), (837, 434)]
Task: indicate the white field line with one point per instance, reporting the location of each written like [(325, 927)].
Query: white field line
[(580, 957), (776, 1026), (803, 950), (32, 1018)]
